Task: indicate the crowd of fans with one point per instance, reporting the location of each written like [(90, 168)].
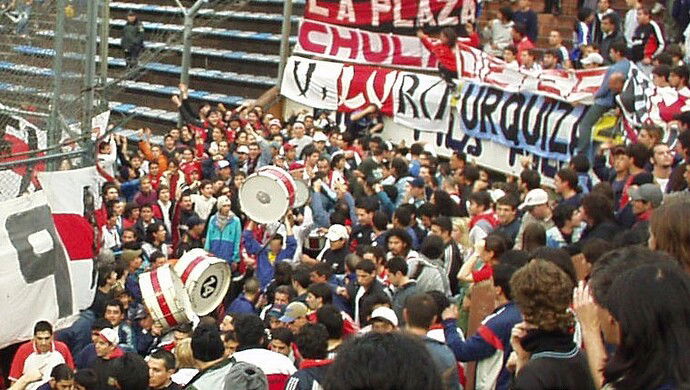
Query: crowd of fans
[(380, 280)]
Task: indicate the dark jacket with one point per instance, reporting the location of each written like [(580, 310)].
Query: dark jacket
[(606, 42), (374, 290), (605, 230), (647, 42), (531, 22), (555, 363), (310, 375), (133, 36)]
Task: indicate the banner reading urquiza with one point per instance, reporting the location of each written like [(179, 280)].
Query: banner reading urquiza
[(534, 123)]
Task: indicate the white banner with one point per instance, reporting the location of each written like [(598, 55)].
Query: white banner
[(482, 152), (314, 83), (65, 189), (99, 124), (35, 280), (421, 102)]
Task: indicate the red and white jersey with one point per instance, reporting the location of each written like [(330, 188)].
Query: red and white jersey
[(28, 358), (277, 367)]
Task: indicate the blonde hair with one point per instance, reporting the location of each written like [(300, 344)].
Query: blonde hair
[(183, 354), (463, 224)]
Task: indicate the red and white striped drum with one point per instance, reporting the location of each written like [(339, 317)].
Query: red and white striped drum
[(301, 193), (267, 195), (206, 279), (165, 296)]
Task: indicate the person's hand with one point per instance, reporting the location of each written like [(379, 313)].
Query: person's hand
[(511, 363), (451, 312), (290, 217), (646, 60), (156, 329), (378, 187), (340, 190), (34, 374), (479, 246), (516, 335), (316, 185), (342, 291), (526, 162), (585, 308), (420, 34)]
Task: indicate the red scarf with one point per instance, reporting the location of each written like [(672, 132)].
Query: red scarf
[(489, 216)]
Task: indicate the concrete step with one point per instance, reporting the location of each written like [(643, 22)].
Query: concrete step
[(215, 59), (159, 73), (211, 37), (239, 19)]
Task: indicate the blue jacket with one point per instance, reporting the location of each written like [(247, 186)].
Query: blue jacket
[(264, 268), (489, 346), (241, 305), (85, 357), (604, 96), (225, 243)]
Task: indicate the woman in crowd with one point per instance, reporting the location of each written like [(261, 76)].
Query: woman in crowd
[(544, 354)]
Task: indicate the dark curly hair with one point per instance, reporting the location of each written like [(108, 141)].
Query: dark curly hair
[(543, 292)]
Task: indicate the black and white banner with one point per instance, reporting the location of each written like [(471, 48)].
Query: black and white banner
[(421, 102), (35, 280), (313, 83), (531, 122)]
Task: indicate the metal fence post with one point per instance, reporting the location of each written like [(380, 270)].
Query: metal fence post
[(89, 76), (54, 127), (105, 34), (189, 15), (285, 38)]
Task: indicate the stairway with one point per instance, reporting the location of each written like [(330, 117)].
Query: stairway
[(234, 57)]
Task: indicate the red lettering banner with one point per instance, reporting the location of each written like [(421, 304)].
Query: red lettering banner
[(389, 15), (353, 45), (360, 86)]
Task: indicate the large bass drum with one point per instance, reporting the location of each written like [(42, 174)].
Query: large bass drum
[(166, 298), (267, 195), (301, 193), (206, 279)]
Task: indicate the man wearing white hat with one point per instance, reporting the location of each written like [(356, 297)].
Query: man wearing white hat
[(106, 351), (537, 210), (338, 238)]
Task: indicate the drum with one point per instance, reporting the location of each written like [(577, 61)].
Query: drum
[(267, 194), (314, 243), (165, 296), (206, 279), (301, 193)]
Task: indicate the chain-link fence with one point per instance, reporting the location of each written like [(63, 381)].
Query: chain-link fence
[(52, 78)]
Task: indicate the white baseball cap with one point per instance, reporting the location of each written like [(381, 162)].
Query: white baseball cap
[(535, 197), (337, 232), (385, 313), (110, 335), (320, 137), (592, 58), (243, 149)]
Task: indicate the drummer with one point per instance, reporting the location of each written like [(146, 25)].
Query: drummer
[(267, 257), (338, 237)]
